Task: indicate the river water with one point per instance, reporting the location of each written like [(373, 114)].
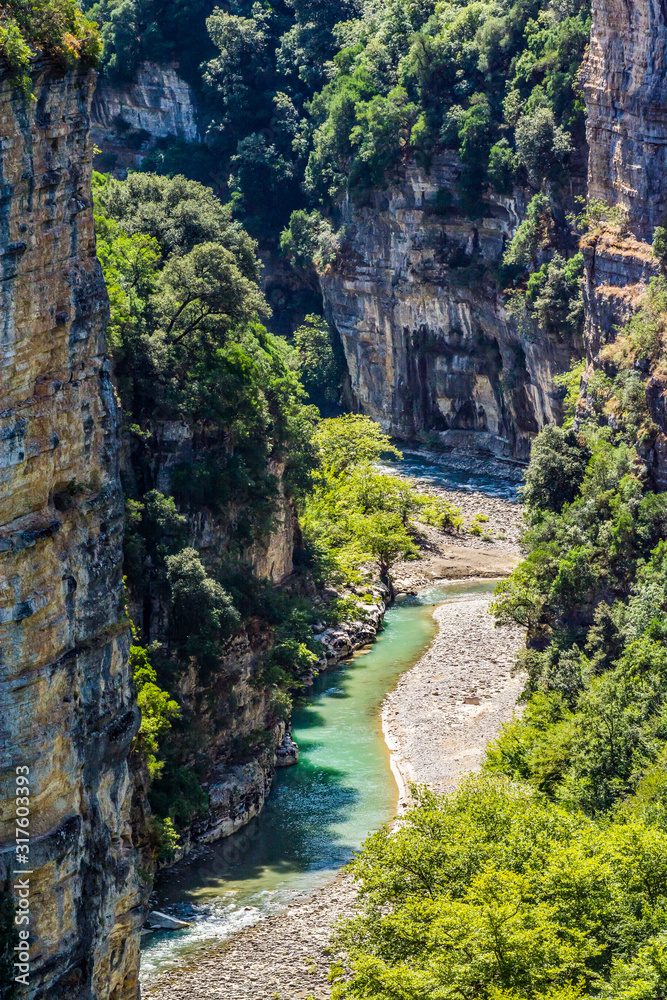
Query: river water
[(319, 812)]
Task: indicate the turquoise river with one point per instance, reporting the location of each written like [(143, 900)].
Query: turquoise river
[(319, 812)]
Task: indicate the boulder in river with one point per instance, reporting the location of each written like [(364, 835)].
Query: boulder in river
[(163, 922), (287, 753)]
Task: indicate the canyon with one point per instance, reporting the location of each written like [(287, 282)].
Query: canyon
[(432, 352)]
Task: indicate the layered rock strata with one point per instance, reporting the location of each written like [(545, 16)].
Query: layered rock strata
[(67, 706), (127, 118), (625, 88), (432, 352)]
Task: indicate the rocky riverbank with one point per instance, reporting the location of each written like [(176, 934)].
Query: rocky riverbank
[(439, 719), (437, 723)]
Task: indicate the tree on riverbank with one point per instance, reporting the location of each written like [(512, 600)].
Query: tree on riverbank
[(359, 521), (546, 878)]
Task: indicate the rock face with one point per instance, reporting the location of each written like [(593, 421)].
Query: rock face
[(67, 706), (625, 87), (128, 118), (432, 352)]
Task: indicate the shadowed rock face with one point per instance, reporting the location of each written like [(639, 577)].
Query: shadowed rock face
[(431, 350), (128, 117), (67, 706)]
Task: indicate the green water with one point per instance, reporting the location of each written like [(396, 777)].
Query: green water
[(319, 812)]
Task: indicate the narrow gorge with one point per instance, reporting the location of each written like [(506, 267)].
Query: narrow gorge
[(248, 252)]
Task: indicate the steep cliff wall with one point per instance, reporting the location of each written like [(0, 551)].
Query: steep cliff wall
[(67, 708), (625, 87), (431, 349), (128, 118), (626, 98)]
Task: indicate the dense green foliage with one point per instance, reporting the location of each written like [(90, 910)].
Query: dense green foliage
[(593, 588), (321, 363), (157, 710), (359, 521), (497, 893), (497, 81), (190, 353), (182, 279), (56, 27), (304, 100)]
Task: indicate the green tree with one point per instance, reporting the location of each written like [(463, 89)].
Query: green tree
[(542, 146), (203, 614), (351, 440), (321, 364), (157, 708), (310, 239), (384, 536), (557, 468)]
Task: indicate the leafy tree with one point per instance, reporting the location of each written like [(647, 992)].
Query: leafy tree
[(203, 614), (384, 537), (202, 292), (555, 297), (157, 709), (502, 167), (660, 244), (556, 471), (493, 892), (532, 237), (358, 515), (351, 440), (310, 239), (321, 363), (542, 146)]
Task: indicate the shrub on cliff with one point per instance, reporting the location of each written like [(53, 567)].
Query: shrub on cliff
[(57, 28), (309, 239), (203, 614)]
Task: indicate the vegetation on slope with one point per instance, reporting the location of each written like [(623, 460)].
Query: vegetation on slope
[(55, 27), (306, 100), (495, 81), (547, 876), (220, 438)]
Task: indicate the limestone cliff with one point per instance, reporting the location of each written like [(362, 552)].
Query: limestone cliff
[(127, 118), (626, 98), (68, 710), (625, 86), (432, 352)]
